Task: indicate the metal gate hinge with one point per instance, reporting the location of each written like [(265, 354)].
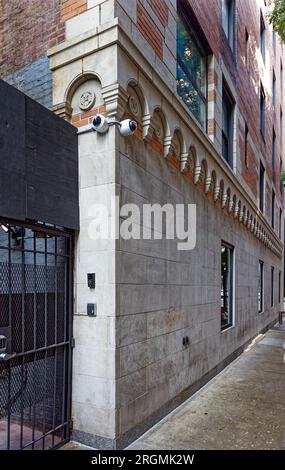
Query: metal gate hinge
[(73, 342)]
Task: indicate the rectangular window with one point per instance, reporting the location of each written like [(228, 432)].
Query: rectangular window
[(191, 70), (280, 223), (228, 124), (274, 40), (273, 209), (227, 261), (273, 88), (228, 21), (273, 150), (246, 48), (260, 285), (279, 287), (261, 186), (262, 36), (272, 287), (262, 111), (281, 126), (246, 145)]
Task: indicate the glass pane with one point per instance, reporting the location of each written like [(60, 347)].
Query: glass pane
[(226, 117), (260, 286), (4, 235), (191, 72), (226, 287), (272, 287), (51, 243), (225, 148), (28, 239), (225, 17), (60, 245), (191, 97), (16, 234), (40, 238), (191, 57)]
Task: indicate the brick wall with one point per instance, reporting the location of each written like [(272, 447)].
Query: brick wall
[(148, 28), (245, 78), (71, 8), (155, 22), (27, 29)]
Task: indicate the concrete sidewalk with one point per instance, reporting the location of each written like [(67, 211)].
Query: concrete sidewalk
[(241, 408)]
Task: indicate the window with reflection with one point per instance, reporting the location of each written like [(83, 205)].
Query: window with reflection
[(272, 287), (191, 70), (262, 31), (228, 21), (227, 258), (262, 101), (228, 124), (260, 286)]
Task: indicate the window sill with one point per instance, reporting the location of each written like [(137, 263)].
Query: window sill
[(227, 329)]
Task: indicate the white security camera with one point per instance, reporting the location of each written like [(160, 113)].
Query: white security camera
[(100, 124), (128, 127)]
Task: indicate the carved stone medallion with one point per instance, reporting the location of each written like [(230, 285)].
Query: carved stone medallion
[(87, 100)]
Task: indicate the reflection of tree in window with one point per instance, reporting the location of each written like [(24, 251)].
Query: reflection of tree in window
[(191, 72)]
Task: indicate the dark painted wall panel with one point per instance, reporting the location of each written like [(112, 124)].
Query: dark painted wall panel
[(38, 162)]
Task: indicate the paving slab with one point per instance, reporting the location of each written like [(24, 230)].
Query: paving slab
[(241, 408)]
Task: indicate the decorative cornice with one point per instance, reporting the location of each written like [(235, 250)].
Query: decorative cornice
[(198, 153), (64, 110), (208, 174)]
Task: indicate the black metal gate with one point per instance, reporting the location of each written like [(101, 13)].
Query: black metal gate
[(35, 336)]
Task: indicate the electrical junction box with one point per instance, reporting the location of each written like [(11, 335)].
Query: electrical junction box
[(91, 310), (91, 280)]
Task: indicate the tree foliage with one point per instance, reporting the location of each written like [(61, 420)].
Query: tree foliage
[(277, 18)]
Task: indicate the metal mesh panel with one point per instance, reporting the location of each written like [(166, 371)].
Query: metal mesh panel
[(34, 315)]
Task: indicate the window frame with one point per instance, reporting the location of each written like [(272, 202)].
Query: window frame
[(231, 296), (273, 88), (261, 186), (262, 109), (229, 12), (260, 286), (246, 134), (204, 52), (274, 40), (281, 125), (246, 47), (262, 36), (229, 103), (273, 156), (273, 209), (272, 287)]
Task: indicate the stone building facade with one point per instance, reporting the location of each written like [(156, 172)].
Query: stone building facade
[(208, 134)]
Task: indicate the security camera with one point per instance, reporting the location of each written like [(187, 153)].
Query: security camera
[(100, 124), (128, 127)]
